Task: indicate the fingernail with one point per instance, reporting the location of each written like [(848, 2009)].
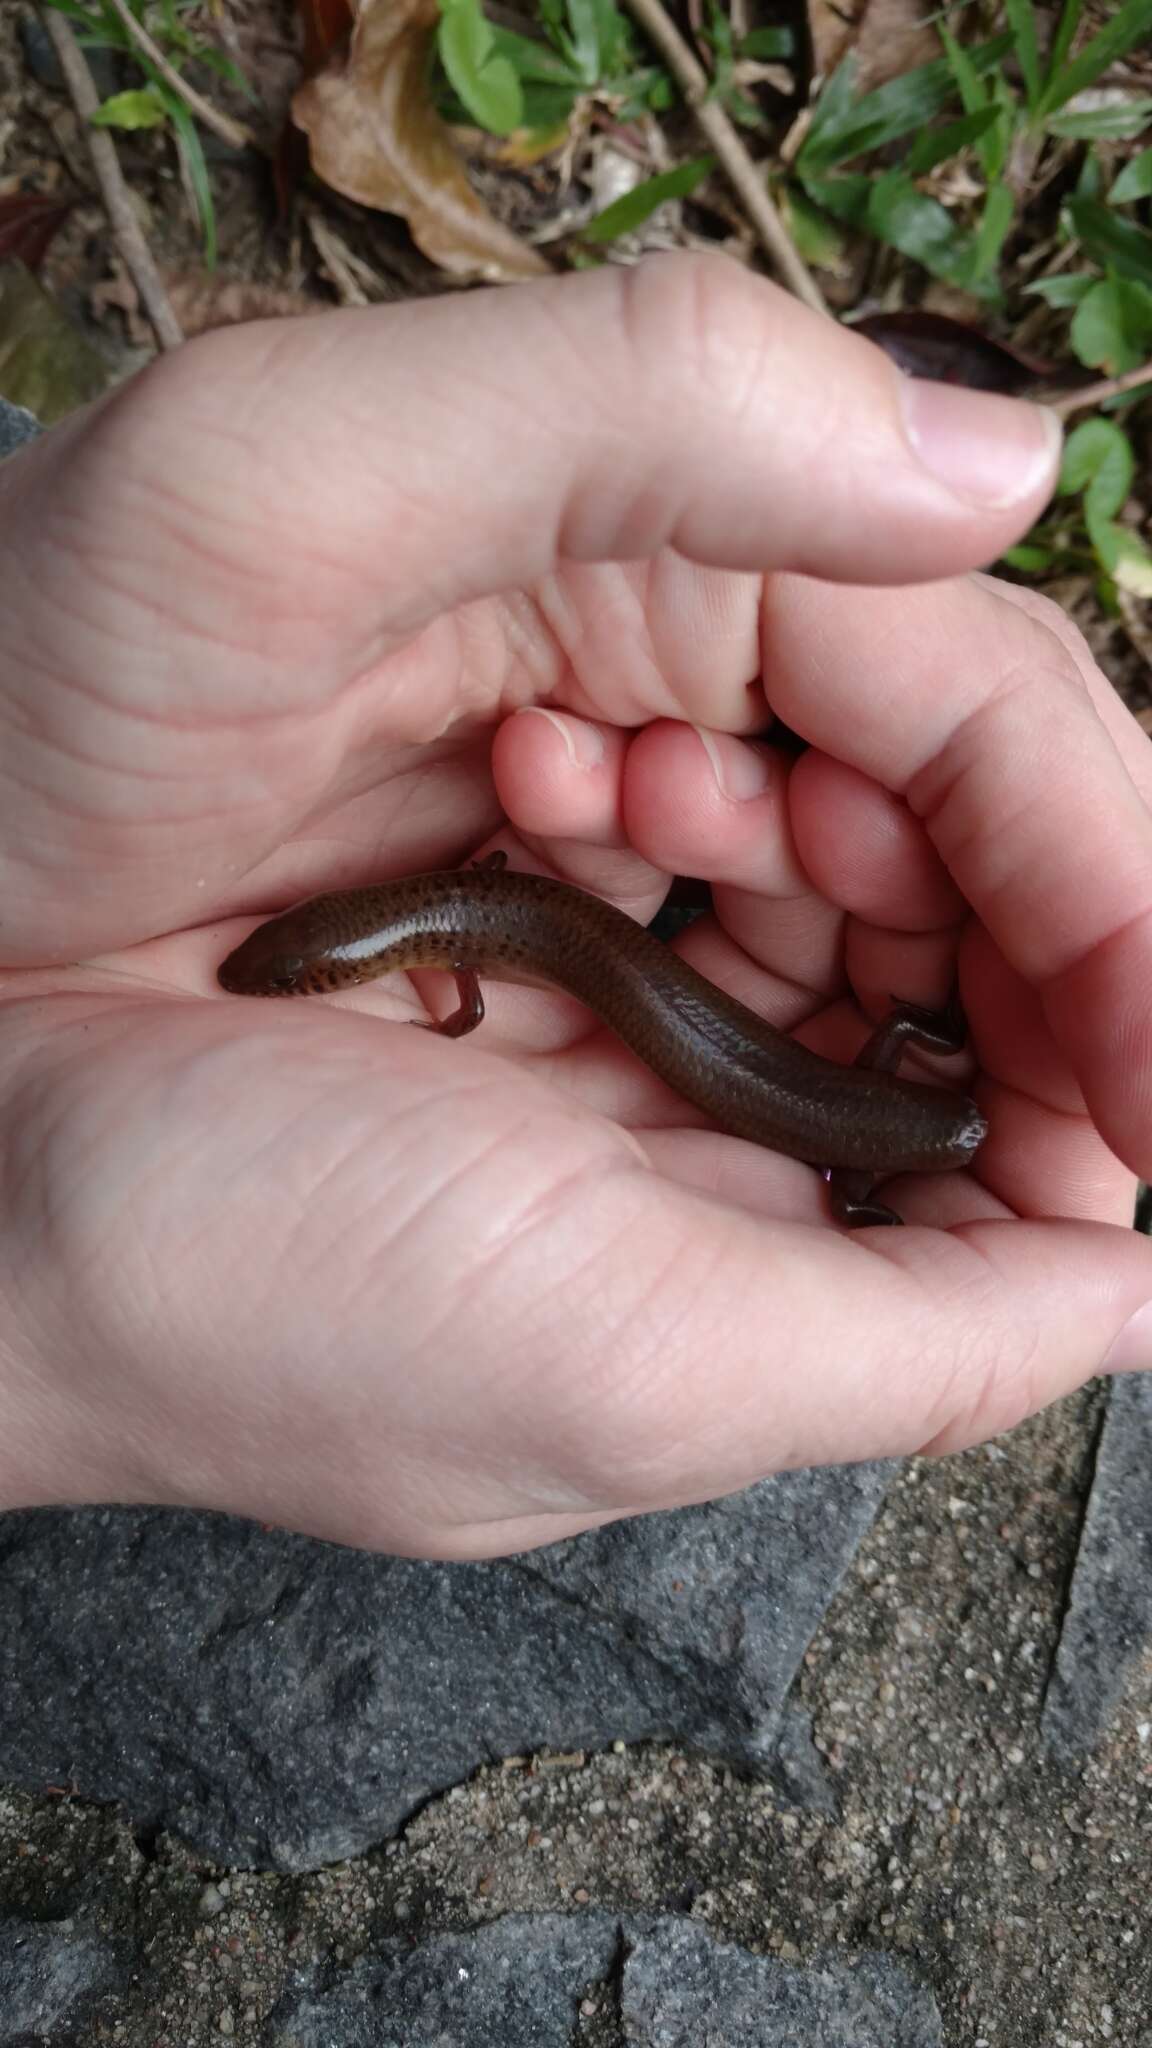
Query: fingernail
[(741, 770), (1132, 1349), (993, 451), (583, 742)]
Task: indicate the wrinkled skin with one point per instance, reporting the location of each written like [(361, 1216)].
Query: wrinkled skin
[(276, 617)]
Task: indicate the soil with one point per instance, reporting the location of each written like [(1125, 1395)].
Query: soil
[(1016, 1889)]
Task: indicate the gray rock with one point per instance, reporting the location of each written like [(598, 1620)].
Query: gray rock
[(110, 71), (1108, 1621), (50, 1973), (681, 1989), (286, 1703), (515, 1984), (16, 426), (520, 1983)]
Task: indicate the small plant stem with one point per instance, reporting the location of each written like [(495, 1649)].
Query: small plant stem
[(333, 256), (747, 181), (1064, 402), (113, 190), (235, 133)]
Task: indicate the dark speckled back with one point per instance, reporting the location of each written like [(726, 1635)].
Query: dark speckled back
[(749, 1078)]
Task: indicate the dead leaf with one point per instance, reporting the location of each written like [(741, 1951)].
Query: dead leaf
[(327, 26), (375, 136), (887, 37), (949, 351), (28, 221), (118, 293), (203, 299)]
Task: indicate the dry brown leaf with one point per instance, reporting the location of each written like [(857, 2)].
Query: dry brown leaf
[(375, 136), (887, 37), (118, 294), (202, 300)]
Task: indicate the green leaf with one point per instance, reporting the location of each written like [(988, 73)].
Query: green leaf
[(1112, 240), (841, 130), (196, 172), (583, 39), (641, 92), (143, 108), (939, 144), (1022, 21), (1028, 557), (1062, 291), (893, 209), (743, 109), (999, 208), (833, 104), (993, 145), (769, 44), (547, 108), (1097, 460), (535, 63), (1063, 39), (75, 12), (1090, 182), (917, 225), (1117, 121), (633, 208), (1131, 23), (484, 78), (816, 237), (973, 94), (1135, 180), (1112, 327), (1126, 557)]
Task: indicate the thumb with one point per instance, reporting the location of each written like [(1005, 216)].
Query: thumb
[(410, 458)]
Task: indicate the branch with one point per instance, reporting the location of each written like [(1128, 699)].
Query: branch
[(235, 133), (1064, 402), (113, 190), (748, 182)]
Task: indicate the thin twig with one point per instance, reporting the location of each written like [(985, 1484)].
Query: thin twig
[(334, 256), (113, 190), (693, 80), (1064, 402), (236, 133)]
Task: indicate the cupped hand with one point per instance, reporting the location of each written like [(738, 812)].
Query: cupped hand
[(310, 604)]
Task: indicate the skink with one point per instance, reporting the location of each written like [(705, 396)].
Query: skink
[(751, 1080)]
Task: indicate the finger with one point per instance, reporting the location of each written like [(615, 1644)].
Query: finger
[(703, 803), (708, 804), (559, 776), (1130, 741), (983, 724), (236, 564), (866, 851)]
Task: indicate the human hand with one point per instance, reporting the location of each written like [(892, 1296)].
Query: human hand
[(273, 611)]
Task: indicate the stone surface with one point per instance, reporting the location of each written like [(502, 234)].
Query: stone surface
[(1108, 1621), (283, 1702), (682, 1989), (16, 426), (522, 1981), (516, 1984), (50, 1973)]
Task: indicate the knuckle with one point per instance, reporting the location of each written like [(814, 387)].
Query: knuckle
[(698, 321)]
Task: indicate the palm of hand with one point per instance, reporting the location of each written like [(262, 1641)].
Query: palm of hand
[(275, 1239)]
